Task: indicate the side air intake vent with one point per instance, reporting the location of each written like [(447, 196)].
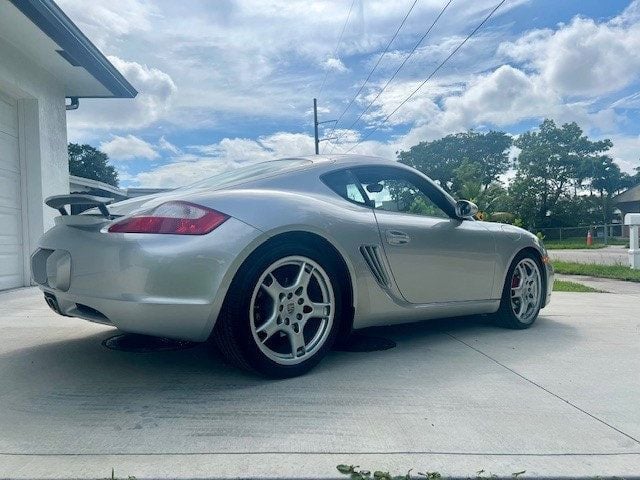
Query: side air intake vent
[(372, 257)]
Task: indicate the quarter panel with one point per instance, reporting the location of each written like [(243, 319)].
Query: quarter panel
[(130, 272)]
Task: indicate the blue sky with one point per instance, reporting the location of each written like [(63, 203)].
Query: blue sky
[(226, 82)]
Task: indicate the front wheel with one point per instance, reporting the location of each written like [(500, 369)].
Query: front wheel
[(522, 293), (282, 312)]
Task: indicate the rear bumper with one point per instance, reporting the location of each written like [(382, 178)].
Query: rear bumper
[(164, 285), (162, 317)]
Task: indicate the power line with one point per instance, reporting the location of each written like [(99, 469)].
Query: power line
[(455, 50), (374, 67), (335, 52), (397, 70)]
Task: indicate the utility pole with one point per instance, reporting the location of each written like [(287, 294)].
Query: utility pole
[(315, 127)]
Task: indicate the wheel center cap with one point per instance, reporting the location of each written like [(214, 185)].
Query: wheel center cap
[(290, 308)]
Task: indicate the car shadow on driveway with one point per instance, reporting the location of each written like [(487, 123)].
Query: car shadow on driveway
[(85, 361), (76, 395)]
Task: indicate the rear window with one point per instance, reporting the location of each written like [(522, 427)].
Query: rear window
[(344, 184), (249, 171)]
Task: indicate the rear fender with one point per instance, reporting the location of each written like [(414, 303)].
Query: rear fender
[(259, 242)]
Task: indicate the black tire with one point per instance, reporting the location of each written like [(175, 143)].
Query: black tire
[(506, 317), (233, 335)]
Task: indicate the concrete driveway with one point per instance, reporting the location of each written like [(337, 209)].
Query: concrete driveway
[(456, 396), (611, 255)]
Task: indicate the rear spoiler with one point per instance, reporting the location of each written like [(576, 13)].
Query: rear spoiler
[(59, 201)]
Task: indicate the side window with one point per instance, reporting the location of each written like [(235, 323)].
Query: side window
[(395, 191), (344, 184)]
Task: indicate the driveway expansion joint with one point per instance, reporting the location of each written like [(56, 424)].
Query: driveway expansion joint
[(382, 453), (544, 388)]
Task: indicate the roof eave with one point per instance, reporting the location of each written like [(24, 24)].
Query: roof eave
[(632, 194), (49, 18)]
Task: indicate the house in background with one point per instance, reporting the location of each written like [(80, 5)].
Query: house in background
[(44, 60), (628, 201)]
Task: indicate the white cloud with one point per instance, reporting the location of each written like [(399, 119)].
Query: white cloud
[(630, 101), (246, 57), (226, 154), (127, 148), (123, 174), (155, 89), (343, 136), (371, 147), (164, 144), (583, 57), (502, 97), (155, 92), (420, 108), (560, 74), (230, 153), (263, 60), (626, 152), (237, 150), (106, 19), (335, 65), (181, 173), (286, 144)]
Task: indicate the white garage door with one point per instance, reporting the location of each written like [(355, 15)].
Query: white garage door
[(11, 254)]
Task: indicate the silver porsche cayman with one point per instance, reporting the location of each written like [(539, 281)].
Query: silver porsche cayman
[(276, 261)]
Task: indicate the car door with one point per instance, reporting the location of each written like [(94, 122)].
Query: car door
[(433, 256)]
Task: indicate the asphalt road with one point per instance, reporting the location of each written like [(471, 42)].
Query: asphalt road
[(455, 396), (613, 255)]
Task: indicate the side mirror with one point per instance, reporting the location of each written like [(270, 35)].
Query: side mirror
[(375, 188), (466, 209)]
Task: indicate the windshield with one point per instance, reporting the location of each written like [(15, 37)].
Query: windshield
[(248, 172)]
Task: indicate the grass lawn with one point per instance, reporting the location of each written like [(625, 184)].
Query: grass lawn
[(617, 272), (574, 243), (564, 286)]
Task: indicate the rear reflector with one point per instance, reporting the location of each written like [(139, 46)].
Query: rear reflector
[(177, 218)]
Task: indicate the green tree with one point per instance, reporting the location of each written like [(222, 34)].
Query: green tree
[(89, 162), (489, 197), (631, 180), (553, 163), (607, 180), (467, 165)]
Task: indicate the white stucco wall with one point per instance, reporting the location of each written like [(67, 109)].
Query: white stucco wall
[(43, 136)]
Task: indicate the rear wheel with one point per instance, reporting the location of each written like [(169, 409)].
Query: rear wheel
[(522, 293), (282, 311)]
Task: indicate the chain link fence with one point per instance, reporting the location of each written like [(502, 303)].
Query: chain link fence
[(609, 234)]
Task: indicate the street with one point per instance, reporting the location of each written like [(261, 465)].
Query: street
[(612, 255)]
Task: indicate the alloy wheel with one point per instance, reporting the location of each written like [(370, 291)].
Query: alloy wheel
[(292, 310), (526, 289)]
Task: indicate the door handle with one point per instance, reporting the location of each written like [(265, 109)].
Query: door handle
[(395, 237)]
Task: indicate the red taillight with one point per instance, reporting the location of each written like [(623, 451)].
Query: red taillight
[(178, 218)]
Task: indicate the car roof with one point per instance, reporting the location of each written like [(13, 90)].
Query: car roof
[(346, 159), (324, 163)]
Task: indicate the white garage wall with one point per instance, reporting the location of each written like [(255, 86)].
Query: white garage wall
[(11, 251), (43, 138)]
